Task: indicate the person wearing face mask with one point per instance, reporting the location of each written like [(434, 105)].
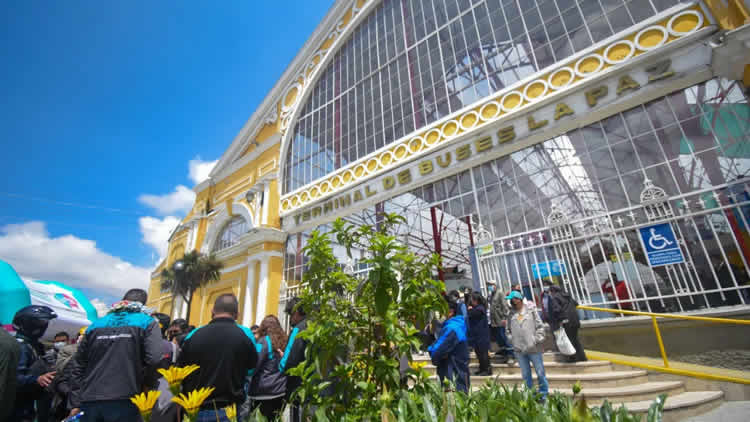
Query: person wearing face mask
[(30, 323), (63, 384), (527, 335), (499, 311)]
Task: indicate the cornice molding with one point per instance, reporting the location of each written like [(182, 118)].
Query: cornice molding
[(255, 237), (274, 97)]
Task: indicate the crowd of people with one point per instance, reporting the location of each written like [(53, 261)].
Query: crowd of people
[(517, 325), (93, 377)]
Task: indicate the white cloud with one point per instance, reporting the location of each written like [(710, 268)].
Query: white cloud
[(155, 232), (101, 307), (77, 262), (199, 169), (179, 201)]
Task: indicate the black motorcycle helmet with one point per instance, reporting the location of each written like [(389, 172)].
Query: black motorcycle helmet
[(32, 321)]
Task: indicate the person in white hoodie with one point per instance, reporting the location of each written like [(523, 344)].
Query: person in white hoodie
[(527, 336)]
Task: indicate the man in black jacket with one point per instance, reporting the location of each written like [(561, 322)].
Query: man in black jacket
[(111, 361), (32, 375), (562, 311), (295, 352), (225, 352)]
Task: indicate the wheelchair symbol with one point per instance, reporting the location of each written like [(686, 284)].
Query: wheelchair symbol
[(657, 239)]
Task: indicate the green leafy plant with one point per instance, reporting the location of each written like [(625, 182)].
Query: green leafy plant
[(360, 330)]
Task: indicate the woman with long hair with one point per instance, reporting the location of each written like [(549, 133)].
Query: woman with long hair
[(268, 384)]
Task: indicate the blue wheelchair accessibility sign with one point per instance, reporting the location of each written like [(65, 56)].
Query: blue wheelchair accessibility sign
[(661, 245)]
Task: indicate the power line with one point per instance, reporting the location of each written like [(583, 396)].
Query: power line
[(72, 204), (62, 223)]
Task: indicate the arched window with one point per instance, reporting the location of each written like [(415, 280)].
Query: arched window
[(413, 62), (231, 233)]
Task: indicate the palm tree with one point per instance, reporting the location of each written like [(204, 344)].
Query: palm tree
[(194, 270)]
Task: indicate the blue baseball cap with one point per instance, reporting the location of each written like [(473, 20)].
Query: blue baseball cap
[(514, 295)]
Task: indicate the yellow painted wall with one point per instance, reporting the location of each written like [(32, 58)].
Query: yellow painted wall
[(275, 272), (730, 14)]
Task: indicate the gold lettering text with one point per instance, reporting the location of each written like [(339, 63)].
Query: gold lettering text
[(484, 144), (444, 162), (327, 207), (316, 212), (345, 201), (358, 196), (306, 216), (506, 134), (425, 167), (463, 152), (593, 95), (533, 124), (562, 110), (369, 192), (389, 182), (404, 177), (626, 83)]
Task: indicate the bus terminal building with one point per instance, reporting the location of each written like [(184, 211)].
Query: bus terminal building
[(603, 145)]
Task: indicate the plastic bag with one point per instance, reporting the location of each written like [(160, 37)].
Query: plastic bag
[(563, 343)]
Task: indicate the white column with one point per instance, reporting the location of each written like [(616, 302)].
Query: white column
[(262, 290), (247, 311), (266, 200), (192, 237), (175, 308), (184, 308)]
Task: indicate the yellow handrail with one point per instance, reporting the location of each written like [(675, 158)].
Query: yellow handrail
[(663, 352), (672, 316)]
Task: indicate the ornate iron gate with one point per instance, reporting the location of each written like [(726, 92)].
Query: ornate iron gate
[(602, 260)]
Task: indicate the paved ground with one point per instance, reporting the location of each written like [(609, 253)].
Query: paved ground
[(731, 411)]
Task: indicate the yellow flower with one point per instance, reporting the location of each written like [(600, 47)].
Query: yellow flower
[(145, 403), (231, 412), (417, 366), (175, 375), (193, 401)]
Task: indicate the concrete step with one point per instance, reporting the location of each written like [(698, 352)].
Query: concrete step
[(562, 381), (547, 357), (679, 407), (629, 393), (588, 367)]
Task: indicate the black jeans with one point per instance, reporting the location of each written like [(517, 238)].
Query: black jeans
[(271, 409), (571, 330), (484, 358)]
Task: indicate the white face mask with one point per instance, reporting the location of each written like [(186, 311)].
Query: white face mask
[(59, 345)]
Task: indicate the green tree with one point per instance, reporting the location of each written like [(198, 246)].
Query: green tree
[(192, 271), (359, 329)]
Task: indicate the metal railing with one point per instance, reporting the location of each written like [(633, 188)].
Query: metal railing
[(662, 350)]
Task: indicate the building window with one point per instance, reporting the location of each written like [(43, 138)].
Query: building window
[(413, 62), (231, 233)]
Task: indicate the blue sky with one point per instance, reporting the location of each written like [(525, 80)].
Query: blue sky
[(104, 102)]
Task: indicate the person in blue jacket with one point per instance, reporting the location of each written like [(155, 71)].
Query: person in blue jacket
[(450, 352), (479, 333)]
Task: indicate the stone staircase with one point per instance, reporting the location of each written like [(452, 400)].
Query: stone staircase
[(601, 380)]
